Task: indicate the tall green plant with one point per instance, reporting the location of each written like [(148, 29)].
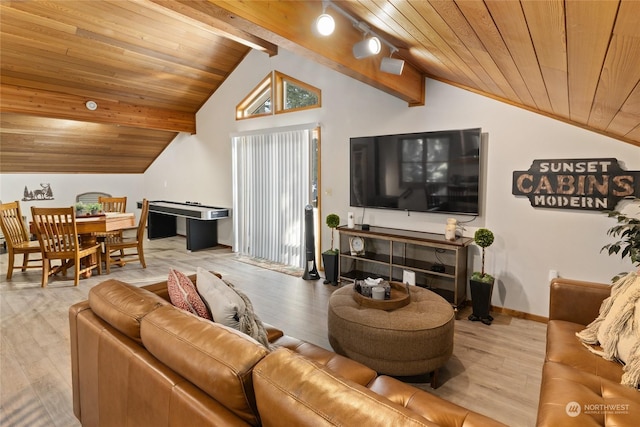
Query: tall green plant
[(483, 237), (628, 231), (332, 222)]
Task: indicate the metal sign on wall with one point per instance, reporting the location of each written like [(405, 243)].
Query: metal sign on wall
[(586, 184)]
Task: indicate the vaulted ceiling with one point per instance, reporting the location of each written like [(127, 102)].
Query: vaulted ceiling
[(151, 64)]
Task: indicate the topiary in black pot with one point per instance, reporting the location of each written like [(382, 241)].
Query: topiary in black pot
[(330, 256), (481, 283)]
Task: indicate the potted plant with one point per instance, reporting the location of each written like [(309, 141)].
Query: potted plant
[(628, 231), (330, 256), (481, 283), (80, 208), (94, 208)]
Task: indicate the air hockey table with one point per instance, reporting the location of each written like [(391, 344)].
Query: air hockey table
[(202, 224)]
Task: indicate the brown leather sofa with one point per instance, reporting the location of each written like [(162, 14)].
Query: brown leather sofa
[(580, 388), (139, 361)]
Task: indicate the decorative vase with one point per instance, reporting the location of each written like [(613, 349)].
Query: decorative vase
[(330, 262), (450, 229), (481, 300)]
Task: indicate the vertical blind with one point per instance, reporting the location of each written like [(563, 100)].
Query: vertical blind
[(271, 185)]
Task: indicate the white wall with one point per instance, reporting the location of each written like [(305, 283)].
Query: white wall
[(65, 187), (529, 242)]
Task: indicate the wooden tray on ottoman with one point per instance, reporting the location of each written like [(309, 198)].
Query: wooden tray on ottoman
[(399, 298)]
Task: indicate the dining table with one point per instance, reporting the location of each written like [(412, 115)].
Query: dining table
[(88, 225)]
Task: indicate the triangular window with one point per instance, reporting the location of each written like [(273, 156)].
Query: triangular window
[(258, 102), (290, 95), (295, 95)]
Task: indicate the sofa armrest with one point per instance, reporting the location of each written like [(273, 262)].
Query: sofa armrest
[(74, 312), (576, 301)]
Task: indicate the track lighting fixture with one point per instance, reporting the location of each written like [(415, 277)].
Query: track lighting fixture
[(371, 45), (325, 24), (392, 65), (368, 47)]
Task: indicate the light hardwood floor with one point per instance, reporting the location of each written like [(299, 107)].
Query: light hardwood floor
[(494, 370)]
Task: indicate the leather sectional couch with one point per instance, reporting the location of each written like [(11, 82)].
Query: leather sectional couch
[(580, 388), (139, 361)]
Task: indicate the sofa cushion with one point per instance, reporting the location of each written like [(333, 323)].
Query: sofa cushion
[(123, 305), (570, 397), (564, 347), (293, 390), (226, 305), (340, 365), (183, 294), (215, 358)]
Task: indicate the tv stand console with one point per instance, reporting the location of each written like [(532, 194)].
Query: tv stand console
[(438, 264)]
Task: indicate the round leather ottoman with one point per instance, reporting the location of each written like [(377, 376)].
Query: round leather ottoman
[(411, 340)]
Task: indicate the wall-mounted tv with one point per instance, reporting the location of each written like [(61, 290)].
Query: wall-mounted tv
[(419, 172)]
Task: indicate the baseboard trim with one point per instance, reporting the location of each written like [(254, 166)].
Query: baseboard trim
[(520, 314), (515, 313)]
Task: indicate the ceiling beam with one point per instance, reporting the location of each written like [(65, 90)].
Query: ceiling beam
[(284, 21), (198, 12), (17, 99)]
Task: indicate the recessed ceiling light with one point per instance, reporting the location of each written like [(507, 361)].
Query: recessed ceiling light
[(91, 105)]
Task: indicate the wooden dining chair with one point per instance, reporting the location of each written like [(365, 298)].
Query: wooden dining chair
[(17, 238), (120, 243), (113, 204), (58, 235)]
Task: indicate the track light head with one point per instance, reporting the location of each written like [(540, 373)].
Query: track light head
[(367, 47), (392, 65), (325, 24)]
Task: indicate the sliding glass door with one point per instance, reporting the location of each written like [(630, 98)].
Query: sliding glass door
[(274, 179)]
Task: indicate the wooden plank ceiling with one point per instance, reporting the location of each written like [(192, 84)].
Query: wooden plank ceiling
[(151, 64)]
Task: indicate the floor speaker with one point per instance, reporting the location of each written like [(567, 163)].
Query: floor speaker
[(310, 269)]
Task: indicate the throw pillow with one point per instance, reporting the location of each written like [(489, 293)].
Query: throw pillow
[(250, 323), (619, 321), (617, 329), (630, 338), (226, 305), (230, 306), (183, 294)]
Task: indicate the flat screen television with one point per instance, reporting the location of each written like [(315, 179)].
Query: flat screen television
[(419, 172)]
